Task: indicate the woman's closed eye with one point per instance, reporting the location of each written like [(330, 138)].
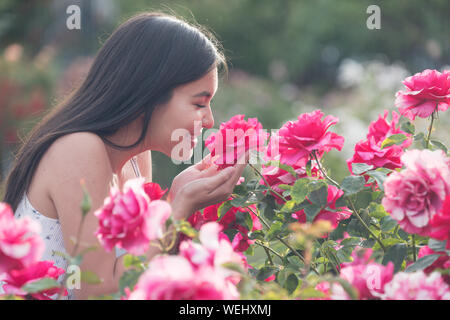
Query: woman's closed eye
[(200, 106)]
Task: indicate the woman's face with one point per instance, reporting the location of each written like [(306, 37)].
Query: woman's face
[(175, 124)]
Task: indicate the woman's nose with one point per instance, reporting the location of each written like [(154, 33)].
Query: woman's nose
[(208, 119)]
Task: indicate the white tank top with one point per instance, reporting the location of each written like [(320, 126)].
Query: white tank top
[(51, 233)]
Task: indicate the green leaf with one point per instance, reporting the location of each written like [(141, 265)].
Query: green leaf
[(316, 184), (231, 233), (256, 235), (363, 199), (129, 279), (402, 234), (300, 190), (311, 212), (288, 206), (387, 223), (377, 210), (295, 263), (396, 254), (240, 201), (265, 272), (223, 208), (408, 127), (291, 283), (352, 184), (436, 245), (130, 261), (90, 277), (359, 168), (423, 263), (274, 230), (40, 285), (379, 176), (350, 242), (244, 219), (308, 168), (439, 145), (319, 197), (394, 139), (240, 189), (285, 167)]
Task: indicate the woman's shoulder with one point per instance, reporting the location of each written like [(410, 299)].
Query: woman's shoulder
[(78, 140), (77, 152)]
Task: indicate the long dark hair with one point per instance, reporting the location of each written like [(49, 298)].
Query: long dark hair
[(136, 69)]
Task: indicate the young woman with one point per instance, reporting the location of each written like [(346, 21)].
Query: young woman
[(155, 74)]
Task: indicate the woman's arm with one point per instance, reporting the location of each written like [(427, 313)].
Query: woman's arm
[(72, 158)]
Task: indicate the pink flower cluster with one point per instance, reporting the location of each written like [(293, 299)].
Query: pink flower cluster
[(131, 219), (298, 139), (241, 241), (197, 273), (416, 194), (426, 92), (416, 286), (365, 275), (234, 138), (369, 151), (21, 248)]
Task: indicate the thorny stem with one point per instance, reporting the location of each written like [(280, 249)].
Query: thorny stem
[(267, 184), (282, 240), (350, 201), (430, 128)]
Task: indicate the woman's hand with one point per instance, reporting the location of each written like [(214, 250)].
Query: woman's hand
[(194, 172), (202, 185)]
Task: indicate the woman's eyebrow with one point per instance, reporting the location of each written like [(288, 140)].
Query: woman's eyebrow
[(203, 94)]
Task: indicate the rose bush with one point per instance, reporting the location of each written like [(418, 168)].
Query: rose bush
[(289, 230)]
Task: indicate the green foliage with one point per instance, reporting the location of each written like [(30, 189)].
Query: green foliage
[(40, 285)]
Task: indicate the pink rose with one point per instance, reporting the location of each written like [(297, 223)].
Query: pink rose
[(234, 138), (154, 191), (368, 152), (197, 273), (16, 279), (240, 241), (368, 279), (334, 217), (416, 286), (20, 243), (425, 93), (298, 139), (276, 176), (174, 278), (129, 220), (331, 291), (214, 249), (440, 223), (443, 262), (380, 129), (414, 195)]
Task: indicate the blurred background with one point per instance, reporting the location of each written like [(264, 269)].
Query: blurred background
[(286, 57)]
